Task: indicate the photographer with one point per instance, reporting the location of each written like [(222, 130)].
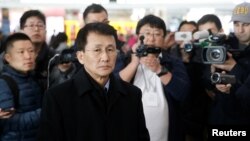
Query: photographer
[(179, 49), (230, 104), (162, 78), (195, 105), (64, 69)]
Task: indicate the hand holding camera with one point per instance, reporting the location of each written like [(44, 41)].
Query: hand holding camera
[(223, 81), (147, 55), (224, 88), (151, 61), (143, 50), (227, 65)]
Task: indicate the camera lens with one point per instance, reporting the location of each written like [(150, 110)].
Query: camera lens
[(188, 47), (215, 54), (215, 78)]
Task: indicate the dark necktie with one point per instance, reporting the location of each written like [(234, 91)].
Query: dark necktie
[(105, 91)]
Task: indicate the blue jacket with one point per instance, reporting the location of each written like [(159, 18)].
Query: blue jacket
[(23, 125)]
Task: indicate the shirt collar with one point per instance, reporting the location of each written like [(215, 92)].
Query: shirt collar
[(84, 83), (107, 85)]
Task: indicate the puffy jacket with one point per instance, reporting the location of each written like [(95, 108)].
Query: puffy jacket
[(23, 125)]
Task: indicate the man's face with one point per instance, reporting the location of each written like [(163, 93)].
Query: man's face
[(21, 56), (97, 17), (242, 32), (35, 29), (99, 56), (211, 26), (153, 36)]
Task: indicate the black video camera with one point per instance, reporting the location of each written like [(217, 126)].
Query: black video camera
[(215, 52), (219, 78), (144, 50), (217, 46)]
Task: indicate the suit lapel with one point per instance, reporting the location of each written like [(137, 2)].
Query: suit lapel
[(115, 92)]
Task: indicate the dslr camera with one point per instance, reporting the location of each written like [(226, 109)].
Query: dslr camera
[(144, 50), (219, 78)]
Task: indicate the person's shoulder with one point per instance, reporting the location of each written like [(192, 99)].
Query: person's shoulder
[(62, 88), (128, 87), (50, 51), (170, 57), (3, 84)]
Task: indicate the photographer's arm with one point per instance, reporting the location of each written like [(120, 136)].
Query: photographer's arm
[(232, 68), (24, 120), (179, 84), (129, 71), (152, 61), (165, 78), (227, 66)]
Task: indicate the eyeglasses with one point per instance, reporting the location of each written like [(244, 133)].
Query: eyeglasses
[(148, 34), (98, 51), (33, 26)]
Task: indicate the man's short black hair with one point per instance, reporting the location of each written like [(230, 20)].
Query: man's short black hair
[(32, 13), (99, 28), (93, 8), (188, 22), (11, 39), (212, 19), (153, 21)]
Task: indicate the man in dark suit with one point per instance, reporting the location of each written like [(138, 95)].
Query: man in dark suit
[(93, 105)]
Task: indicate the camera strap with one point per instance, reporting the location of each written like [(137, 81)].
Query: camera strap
[(13, 87)]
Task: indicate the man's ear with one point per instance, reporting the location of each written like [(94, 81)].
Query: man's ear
[(80, 56), (7, 57)]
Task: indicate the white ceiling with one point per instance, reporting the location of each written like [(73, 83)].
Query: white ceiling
[(123, 4)]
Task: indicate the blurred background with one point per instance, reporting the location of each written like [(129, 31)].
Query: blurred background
[(66, 15)]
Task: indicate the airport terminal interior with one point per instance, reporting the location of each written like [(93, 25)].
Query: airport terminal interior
[(66, 15)]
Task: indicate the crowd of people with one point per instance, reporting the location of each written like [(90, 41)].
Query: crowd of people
[(159, 88)]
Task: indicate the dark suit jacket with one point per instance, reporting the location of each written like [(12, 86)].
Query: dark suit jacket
[(77, 110)]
